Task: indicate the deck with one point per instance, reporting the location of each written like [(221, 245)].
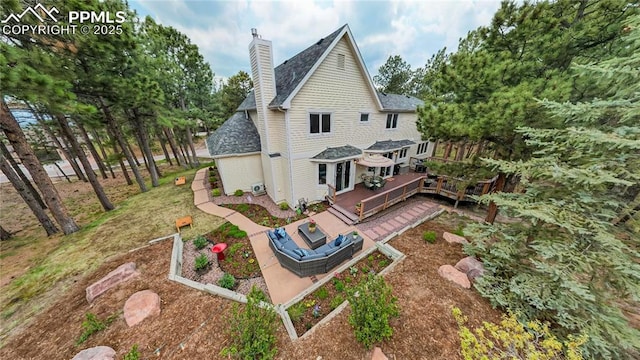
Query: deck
[(349, 199)]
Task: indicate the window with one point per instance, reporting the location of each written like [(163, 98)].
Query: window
[(388, 155), (322, 174), (341, 61), (403, 153), (319, 123), (364, 117), (392, 121), (422, 148)]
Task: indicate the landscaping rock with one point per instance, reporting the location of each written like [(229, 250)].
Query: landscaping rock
[(140, 306), (452, 274), (470, 266), (123, 273), (453, 238), (96, 353), (378, 354)]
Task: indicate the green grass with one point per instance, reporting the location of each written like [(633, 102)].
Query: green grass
[(135, 221)]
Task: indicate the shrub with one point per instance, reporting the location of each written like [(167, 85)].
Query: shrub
[(215, 192), (133, 354), (242, 208), (322, 293), (429, 236), (234, 248), (237, 233), (338, 284), (252, 331), (227, 281), (372, 306), (512, 340), (92, 325), (383, 263), (296, 311), (202, 262), (459, 231), (238, 192), (336, 301), (283, 206), (200, 242)]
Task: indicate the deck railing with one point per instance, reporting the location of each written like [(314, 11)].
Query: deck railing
[(384, 199), (331, 194)]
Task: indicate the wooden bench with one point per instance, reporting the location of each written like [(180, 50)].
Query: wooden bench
[(181, 180), (184, 221)]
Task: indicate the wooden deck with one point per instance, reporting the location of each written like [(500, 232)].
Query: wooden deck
[(349, 199)]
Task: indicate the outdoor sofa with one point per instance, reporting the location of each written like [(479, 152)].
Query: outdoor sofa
[(306, 262)]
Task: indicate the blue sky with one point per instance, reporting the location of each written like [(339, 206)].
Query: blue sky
[(412, 29)]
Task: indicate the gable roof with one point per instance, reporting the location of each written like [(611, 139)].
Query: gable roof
[(238, 135), (290, 73), (339, 152), (390, 144)]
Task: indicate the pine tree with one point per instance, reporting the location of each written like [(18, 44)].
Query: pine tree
[(570, 261)]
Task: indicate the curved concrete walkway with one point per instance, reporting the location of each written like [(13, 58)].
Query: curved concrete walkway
[(283, 285)]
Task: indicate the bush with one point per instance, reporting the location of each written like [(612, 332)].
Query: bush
[(252, 331), (92, 325), (284, 206), (512, 340), (242, 208), (296, 311), (200, 242), (429, 236), (322, 293), (227, 281), (238, 192), (234, 248), (459, 231), (338, 284), (215, 192), (372, 306), (237, 233), (133, 354), (336, 301), (202, 262)]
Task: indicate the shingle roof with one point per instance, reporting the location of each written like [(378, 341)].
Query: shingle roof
[(238, 135), (249, 103), (395, 102), (289, 74), (390, 144), (339, 152)]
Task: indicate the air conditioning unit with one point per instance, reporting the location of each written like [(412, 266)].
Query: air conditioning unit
[(258, 189)]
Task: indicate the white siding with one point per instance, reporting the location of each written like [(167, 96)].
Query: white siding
[(240, 172)]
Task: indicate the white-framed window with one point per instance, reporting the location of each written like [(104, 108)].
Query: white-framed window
[(322, 174), (422, 148), (341, 61), (403, 153), (364, 117), (319, 123), (392, 121)]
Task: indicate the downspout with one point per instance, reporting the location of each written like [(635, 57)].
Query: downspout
[(289, 152)]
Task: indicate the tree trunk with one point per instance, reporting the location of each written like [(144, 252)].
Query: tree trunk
[(192, 147), (143, 137), (185, 154), (460, 152), (133, 153), (49, 193), (115, 129), (163, 145), (93, 179), (92, 150), (104, 154), (65, 150), (28, 197), (61, 171), (125, 172), (72, 159), (174, 147), (493, 208), (21, 175), (4, 234), (447, 150)]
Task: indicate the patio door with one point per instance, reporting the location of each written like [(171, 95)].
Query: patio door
[(343, 176)]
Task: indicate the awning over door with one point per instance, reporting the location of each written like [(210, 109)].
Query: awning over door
[(375, 160)]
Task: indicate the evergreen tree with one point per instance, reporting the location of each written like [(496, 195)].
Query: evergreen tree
[(394, 76), (234, 92), (569, 261)]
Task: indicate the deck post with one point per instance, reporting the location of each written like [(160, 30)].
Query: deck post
[(485, 188), (404, 193)]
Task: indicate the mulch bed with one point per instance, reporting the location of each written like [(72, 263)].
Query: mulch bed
[(315, 306), (261, 216), (240, 261)]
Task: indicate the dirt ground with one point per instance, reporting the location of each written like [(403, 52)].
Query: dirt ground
[(193, 324)]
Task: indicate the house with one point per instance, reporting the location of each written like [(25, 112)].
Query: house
[(314, 124)]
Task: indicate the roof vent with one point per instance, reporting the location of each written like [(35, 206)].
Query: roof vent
[(319, 41)]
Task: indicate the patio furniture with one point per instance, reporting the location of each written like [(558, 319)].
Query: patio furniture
[(184, 221), (313, 239), (181, 180), (307, 262)]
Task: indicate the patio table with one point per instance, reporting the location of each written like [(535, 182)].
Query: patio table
[(313, 239)]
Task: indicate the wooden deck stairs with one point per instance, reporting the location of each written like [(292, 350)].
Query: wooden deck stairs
[(343, 214)]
